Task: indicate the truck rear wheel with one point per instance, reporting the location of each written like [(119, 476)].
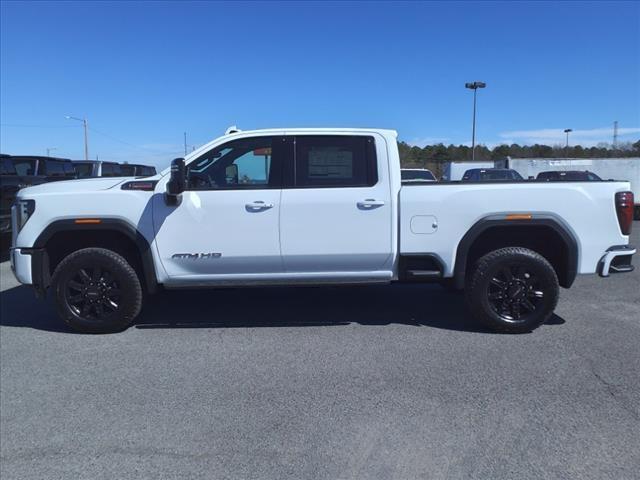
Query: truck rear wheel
[(96, 291), (512, 290)]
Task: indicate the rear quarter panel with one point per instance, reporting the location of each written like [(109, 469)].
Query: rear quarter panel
[(586, 209)]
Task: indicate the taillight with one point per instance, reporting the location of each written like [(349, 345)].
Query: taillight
[(624, 209)]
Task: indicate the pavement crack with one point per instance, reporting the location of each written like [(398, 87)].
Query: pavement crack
[(611, 390)]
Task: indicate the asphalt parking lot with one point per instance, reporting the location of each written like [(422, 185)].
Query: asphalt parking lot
[(323, 383)]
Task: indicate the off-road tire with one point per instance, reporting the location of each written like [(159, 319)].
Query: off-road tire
[(116, 272), (503, 304)]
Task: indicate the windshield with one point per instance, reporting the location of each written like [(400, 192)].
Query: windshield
[(417, 175)]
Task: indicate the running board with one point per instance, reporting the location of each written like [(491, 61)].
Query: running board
[(424, 274)]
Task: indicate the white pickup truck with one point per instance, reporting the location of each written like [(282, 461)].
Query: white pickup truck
[(313, 206)]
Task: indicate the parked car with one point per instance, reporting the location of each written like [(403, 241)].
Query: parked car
[(313, 206), (453, 171), (417, 175), (136, 170), (490, 175), (568, 176), (17, 172), (96, 168)]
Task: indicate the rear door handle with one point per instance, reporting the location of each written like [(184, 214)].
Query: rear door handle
[(258, 205), (370, 203)]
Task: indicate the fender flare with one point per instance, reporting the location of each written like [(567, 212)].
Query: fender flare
[(41, 261), (537, 220)]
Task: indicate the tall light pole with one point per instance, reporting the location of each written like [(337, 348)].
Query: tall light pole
[(474, 86), (566, 146), (49, 149), (86, 137)]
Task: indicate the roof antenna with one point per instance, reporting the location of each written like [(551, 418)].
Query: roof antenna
[(232, 129)]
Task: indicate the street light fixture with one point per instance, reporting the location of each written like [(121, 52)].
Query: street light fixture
[(474, 86), (567, 131), (86, 138)]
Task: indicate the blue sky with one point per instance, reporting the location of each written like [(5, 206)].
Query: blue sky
[(144, 73)]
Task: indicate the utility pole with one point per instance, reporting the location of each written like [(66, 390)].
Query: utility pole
[(474, 86), (85, 124), (49, 149), (615, 134), (185, 143)]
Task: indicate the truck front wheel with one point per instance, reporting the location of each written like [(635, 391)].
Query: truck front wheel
[(512, 290), (96, 291)]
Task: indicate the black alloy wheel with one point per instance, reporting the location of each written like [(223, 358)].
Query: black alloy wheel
[(96, 291), (515, 292), (512, 289), (93, 293)]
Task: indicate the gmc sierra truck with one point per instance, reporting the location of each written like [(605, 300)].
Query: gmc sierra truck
[(313, 206)]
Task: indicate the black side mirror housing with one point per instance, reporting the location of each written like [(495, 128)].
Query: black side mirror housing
[(177, 181)]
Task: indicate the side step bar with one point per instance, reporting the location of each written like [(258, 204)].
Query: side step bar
[(423, 274)]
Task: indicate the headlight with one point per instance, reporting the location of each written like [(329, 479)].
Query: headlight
[(22, 211)]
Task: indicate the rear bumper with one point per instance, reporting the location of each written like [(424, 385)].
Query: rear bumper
[(616, 260)]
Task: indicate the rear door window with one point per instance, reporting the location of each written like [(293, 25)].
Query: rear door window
[(111, 170), (128, 170), (335, 161), (83, 170), (53, 168)]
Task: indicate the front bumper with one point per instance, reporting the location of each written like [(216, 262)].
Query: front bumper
[(616, 260), (21, 265), (31, 267)]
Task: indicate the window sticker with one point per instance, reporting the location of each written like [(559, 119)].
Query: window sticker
[(330, 162)]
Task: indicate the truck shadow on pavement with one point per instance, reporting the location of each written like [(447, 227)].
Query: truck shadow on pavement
[(417, 305)]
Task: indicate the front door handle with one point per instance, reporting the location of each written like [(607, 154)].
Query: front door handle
[(258, 205), (370, 203)]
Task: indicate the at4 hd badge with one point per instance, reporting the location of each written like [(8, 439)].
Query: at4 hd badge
[(196, 256)]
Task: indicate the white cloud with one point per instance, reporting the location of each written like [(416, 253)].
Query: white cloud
[(424, 141), (555, 136)]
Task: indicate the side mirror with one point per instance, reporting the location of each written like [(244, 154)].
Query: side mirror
[(177, 181)]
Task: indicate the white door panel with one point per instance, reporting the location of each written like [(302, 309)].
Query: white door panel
[(336, 229), (219, 232)]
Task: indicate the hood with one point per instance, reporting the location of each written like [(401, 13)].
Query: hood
[(74, 186)]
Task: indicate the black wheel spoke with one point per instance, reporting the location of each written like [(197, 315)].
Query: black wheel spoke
[(76, 298), (111, 304), (84, 276), (95, 275), (526, 303), (496, 296), (506, 271), (535, 294), (515, 311), (497, 282), (75, 285)]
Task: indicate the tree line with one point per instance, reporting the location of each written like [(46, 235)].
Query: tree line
[(434, 157)]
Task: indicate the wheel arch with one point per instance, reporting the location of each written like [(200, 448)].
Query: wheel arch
[(116, 234), (554, 241)]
